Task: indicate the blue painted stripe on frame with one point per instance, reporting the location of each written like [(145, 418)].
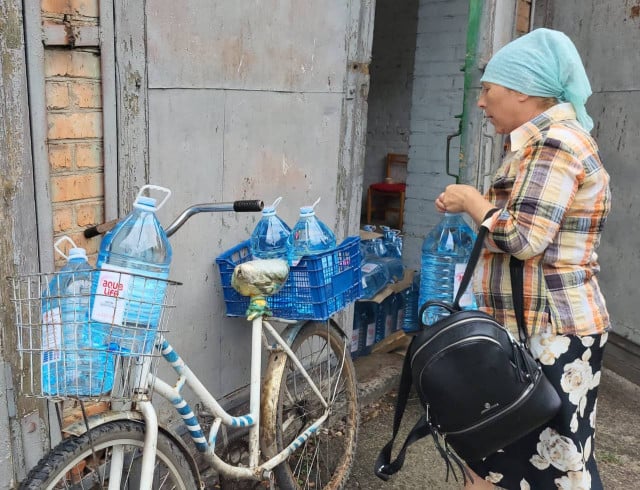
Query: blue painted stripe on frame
[(194, 429), (244, 421), (185, 410), (191, 422), (171, 357)]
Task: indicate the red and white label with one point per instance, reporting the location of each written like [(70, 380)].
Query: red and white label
[(110, 299), (467, 298), (51, 335)]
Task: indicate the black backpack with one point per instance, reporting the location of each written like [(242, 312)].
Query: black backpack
[(481, 389)]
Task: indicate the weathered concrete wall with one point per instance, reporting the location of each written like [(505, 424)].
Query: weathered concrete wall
[(607, 35), (437, 98), (20, 440), (391, 70), (239, 102)]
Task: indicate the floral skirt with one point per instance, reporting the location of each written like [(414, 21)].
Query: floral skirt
[(561, 453)]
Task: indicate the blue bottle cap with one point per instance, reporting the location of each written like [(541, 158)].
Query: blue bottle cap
[(145, 202), (307, 211), (268, 211), (77, 253)]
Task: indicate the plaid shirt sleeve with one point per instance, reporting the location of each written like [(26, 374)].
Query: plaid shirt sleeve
[(544, 187)]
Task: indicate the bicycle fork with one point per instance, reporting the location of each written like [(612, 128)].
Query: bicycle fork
[(204, 445), (254, 471)]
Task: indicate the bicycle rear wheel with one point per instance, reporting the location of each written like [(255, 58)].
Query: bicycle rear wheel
[(289, 406), (75, 464)]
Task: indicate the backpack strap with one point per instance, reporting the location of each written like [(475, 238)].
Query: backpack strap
[(517, 291), (384, 467), (515, 268), (473, 259)]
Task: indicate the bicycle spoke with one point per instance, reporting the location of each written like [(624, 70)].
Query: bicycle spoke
[(112, 460), (323, 460)]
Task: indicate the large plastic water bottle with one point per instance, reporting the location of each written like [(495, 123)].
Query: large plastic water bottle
[(310, 236), (74, 362), (400, 315), (410, 321), (392, 241), (269, 239), (445, 253), (367, 325), (386, 319), (375, 276), (128, 293)]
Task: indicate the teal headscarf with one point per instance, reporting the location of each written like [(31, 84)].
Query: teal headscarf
[(543, 63)]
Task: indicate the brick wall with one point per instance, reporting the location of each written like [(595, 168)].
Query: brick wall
[(437, 98), (391, 70), (74, 116), (523, 15)]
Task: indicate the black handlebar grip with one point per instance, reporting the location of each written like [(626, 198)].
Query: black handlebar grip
[(248, 206), (99, 229)]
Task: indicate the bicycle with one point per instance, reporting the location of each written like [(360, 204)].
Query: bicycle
[(303, 416)]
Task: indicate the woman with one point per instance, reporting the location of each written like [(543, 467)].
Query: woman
[(553, 197)]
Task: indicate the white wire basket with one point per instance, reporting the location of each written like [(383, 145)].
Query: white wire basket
[(101, 346)]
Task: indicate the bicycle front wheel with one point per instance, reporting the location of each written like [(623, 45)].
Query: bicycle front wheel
[(289, 406), (81, 463)]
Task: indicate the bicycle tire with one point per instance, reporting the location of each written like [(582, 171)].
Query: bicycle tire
[(71, 463), (288, 406)]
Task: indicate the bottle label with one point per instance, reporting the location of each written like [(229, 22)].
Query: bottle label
[(389, 324), (400, 319), (371, 334), (51, 335), (355, 340), (467, 298), (369, 267), (113, 288)]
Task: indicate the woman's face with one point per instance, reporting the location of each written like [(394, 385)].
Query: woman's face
[(501, 106)]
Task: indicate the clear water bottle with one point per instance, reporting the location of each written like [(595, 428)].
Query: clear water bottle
[(309, 236), (392, 242), (410, 321), (355, 340), (133, 262), (361, 320), (394, 266), (400, 312), (269, 239), (386, 321), (445, 253), (74, 362), (373, 248), (368, 326), (375, 276)]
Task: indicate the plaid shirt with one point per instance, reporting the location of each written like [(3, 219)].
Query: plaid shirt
[(554, 198)]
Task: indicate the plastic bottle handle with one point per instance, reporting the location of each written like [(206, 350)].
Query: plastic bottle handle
[(60, 240), (276, 202), (157, 188), (315, 203)]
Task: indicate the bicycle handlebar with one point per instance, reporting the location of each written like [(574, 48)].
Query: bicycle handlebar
[(244, 206)]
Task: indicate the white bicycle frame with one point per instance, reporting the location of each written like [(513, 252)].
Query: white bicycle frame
[(254, 471)]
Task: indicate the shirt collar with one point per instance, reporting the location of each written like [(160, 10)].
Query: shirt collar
[(521, 135)]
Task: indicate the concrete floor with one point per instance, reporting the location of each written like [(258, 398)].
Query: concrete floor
[(617, 447)]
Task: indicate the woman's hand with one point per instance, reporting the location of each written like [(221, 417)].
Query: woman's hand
[(460, 198)]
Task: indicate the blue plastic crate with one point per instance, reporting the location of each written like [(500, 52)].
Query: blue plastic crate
[(316, 288)]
